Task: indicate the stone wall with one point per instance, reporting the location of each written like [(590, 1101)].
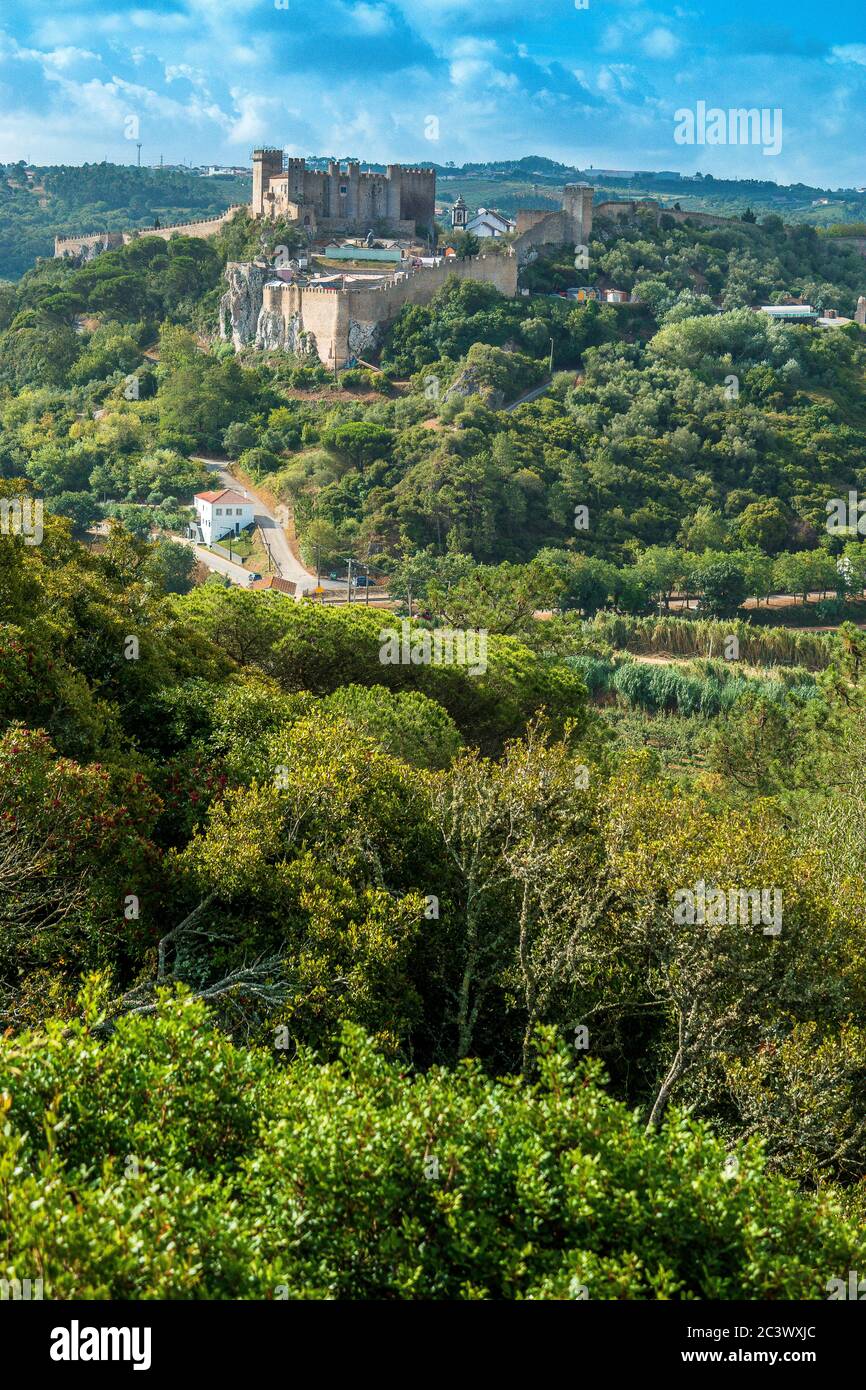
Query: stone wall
[(548, 231), (205, 228), (530, 217), (629, 208), (337, 324), (86, 247)]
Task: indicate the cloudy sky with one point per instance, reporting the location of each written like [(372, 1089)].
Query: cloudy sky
[(206, 80)]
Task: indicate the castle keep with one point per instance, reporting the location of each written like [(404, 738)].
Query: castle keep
[(342, 199)]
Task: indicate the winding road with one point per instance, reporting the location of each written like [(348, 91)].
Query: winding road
[(287, 563)]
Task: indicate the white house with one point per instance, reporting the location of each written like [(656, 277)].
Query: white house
[(488, 222), (223, 513)]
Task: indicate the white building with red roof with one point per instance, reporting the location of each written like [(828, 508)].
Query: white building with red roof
[(224, 513)]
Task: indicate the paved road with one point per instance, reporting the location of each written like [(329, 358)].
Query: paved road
[(530, 395), (236, 573), (289, 566)]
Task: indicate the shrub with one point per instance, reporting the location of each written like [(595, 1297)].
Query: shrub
[(353, 1180)]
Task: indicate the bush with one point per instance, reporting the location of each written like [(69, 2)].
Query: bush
[(353, 1180)]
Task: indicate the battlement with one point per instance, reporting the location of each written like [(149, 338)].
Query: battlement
[(112, 241), (82, 239), (184, 226), (344, 197), (339, 322)]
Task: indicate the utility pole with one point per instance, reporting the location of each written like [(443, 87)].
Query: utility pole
[(349, 583), (551, 357), (138, 147)]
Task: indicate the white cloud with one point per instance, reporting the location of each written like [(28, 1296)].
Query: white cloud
[(850, 53), (367, 19), (660, 43)]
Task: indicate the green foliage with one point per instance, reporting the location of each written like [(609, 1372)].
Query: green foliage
[(366, 1183), (399, 869), (68, 200), (305, 647)]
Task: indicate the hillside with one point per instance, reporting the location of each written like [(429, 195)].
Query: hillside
[(402, 977), (37, 204)]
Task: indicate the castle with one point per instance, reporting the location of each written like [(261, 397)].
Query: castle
[(343, 200), (342, 318)]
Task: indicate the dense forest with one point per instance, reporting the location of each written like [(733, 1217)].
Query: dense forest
[(324, 976)]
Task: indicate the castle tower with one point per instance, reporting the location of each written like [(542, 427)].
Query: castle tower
[(860, 313), (459, 213), (267, 164), (394, 175), (353, 183), (296, 169), (577, 212)]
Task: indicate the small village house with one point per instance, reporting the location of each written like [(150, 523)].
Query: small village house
[(220, 514)]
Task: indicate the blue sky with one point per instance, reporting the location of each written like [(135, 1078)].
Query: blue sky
[(206, 80)]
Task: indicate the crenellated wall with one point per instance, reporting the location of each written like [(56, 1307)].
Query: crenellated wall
[(338, 324), (85, 247), (571, 226), (342, 198)]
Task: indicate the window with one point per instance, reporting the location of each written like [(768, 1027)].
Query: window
[(219, 511), (343, 188), (239, 511)]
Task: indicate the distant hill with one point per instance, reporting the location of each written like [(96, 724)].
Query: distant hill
[(535, 180), (37, 204)]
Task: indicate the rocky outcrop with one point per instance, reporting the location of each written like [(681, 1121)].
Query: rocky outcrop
[(241, 305), (270, 330), (278, 332), (364, 338), (471, 382)]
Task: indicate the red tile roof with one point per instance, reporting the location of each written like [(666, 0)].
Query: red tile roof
[(283, 586), (227, 495)]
